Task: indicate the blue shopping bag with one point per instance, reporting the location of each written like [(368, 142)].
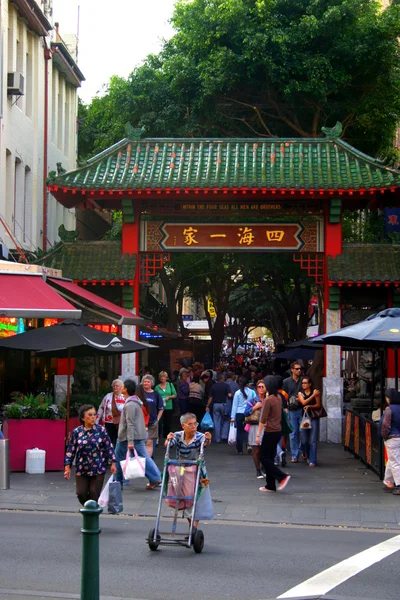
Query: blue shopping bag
[(207, 424)]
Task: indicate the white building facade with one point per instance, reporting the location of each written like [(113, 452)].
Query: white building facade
[(39, 79)]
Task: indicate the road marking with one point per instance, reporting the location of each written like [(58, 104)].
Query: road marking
[(321, 584)]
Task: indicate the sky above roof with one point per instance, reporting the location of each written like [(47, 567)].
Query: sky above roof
[(114, 36)]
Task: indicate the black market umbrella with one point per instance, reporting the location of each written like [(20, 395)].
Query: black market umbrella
[(72, 339), (379, 331), (297, 354)]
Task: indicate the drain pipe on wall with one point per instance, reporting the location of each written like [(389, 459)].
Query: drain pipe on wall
[(47, 57)]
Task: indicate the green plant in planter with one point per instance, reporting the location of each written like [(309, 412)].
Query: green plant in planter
[(12, 411)]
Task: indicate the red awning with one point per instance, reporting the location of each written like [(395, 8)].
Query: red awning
[(124, 316), (29, 296)]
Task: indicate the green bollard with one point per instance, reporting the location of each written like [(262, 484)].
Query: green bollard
[(90, 580)]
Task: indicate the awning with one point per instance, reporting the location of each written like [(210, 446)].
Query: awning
[(29, 296), (121, 315)]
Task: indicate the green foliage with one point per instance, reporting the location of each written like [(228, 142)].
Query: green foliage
[(265, 68), (115, 233), (34, 407)]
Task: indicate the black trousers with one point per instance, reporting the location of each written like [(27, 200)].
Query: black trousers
[(197, 409), (267, 456), (112, 431), (88, 488), (166, 423)]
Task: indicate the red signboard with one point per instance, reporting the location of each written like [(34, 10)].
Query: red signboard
[(192, 236)]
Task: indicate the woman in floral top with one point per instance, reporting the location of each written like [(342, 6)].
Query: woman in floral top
[(91, 446)]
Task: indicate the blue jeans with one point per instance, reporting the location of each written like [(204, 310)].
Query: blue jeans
[(151, 472), (295, 417), (221, 423), (309, 439)]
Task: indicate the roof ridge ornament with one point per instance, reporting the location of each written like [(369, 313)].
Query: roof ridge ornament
[(134, 133), (333, 133)]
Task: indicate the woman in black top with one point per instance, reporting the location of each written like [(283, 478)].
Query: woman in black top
[(309, 398)]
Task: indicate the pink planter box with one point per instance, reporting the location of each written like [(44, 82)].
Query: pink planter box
[(44, 434)]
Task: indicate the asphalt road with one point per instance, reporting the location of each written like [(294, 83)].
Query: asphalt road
[(42, 553)]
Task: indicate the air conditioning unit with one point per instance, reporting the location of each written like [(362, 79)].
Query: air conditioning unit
[(15, 84)]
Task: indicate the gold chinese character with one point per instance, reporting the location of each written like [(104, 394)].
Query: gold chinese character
[(189, 236), (245, 236), (275, 236), (217, 235)]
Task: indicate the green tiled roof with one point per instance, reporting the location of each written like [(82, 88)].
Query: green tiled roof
[(92, 260), (296, 163), (366, 262)]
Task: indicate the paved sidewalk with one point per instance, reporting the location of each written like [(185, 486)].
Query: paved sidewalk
[(341, 491)]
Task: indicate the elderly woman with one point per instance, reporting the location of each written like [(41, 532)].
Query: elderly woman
[(167, 392), (109, 412), (155, 406), (91, 448)]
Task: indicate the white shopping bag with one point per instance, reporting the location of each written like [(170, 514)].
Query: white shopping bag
[(133, 468), (232, 434), (103, 498)]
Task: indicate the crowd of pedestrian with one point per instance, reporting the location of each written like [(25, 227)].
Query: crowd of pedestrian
[(242, 396)]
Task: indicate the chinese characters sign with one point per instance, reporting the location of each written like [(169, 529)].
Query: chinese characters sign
[(261, 237)]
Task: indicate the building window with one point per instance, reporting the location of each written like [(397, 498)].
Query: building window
[(18, 210), (29, 78), (27, 216)]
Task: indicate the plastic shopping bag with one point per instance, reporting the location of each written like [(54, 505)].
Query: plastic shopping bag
[(133, 467), (115, 505), (232, 434), (204, 507), (103, 498), (305, 422), (207, 423), (181, 482)]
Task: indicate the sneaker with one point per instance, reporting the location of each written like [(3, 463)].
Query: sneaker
[(259, 474), (282, 457), (237, 452), (284, 483), (151, 486)]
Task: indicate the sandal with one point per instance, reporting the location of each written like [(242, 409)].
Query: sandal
[(304, 456), (294, 460), (264, 489), (396, 491)]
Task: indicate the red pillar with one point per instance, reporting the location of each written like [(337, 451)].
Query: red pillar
[(131, 245), (333, 247)]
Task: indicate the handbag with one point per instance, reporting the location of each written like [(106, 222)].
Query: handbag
[(232, 434), (305, 422), (133, 467), (293, 403), (254, 418), (287, 427), (386, 423), (115, 505), (116, 415), (317, 413), (207, 423)]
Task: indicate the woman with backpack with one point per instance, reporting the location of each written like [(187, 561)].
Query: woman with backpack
[(132, 434), (390, 432)]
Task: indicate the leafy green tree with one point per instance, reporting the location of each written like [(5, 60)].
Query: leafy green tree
[(265, 68)]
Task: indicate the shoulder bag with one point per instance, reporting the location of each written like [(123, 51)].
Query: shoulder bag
[(254, 418), (317, 413)]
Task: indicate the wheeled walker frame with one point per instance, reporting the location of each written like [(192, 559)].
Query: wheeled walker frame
[(195, 537)]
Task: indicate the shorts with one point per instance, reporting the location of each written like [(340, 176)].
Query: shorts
[(153, 431)]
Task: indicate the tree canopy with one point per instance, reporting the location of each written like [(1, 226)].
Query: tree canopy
[(279, 68)]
